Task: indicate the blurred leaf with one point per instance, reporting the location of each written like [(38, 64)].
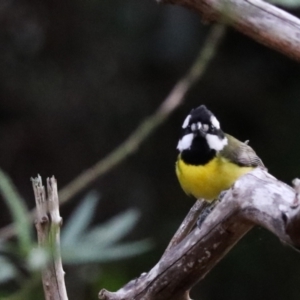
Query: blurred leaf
[(79, 220), (98, 244), (7, 270), (113, 230), (90, 253), (31, 289), (126, 250), (18, 211), (287, 3), (37, 258)]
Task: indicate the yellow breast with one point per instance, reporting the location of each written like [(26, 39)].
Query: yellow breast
[(208, 181)]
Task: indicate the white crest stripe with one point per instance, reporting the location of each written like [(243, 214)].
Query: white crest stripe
[(215, 122), (186, 142), (214, 142), (186, 122)]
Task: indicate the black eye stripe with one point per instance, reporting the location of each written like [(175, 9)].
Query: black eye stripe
[(186, 130)]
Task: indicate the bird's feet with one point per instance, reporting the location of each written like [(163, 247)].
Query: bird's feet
[(205, 212), (222, 194), (209, 207)]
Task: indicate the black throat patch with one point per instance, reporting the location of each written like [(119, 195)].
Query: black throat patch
[(199, 153)]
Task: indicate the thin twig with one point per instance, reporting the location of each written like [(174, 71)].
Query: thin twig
[(129, 146)]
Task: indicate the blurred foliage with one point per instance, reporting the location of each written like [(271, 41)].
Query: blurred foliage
[(79, 244), (19, 212), (76, 77), (98, 244)]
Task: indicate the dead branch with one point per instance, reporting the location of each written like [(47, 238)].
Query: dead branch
[(258, 19), (255, 199), (48, 222)]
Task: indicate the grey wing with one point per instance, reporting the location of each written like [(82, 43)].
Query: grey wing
[(241, 153), (246, 156)]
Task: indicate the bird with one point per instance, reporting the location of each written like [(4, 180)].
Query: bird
[(209, 160)]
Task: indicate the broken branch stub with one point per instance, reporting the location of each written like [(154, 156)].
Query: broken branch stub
[(48, 222)]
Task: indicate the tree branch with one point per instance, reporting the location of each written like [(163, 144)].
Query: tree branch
[(48, 224), (258, 19), (255, 199)]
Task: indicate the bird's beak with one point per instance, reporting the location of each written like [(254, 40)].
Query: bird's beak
[(221, 134), (201, 133)]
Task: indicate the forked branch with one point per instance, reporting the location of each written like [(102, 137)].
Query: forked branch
[(255, 199)]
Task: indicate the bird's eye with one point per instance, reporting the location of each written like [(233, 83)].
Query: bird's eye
[(193, 127), (205, 127)]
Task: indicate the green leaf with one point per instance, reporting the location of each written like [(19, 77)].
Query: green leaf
[(99, 243), (113, 230), (7, 270), (91, 254), (37, 259), (79, 220), (18, 211)]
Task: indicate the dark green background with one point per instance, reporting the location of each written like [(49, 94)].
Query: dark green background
[(77, 77)]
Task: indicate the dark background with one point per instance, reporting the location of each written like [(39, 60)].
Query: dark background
[(77, 77)]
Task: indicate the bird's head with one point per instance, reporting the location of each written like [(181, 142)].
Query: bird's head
[(201, 126)]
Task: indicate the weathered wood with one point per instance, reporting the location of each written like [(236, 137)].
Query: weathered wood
[(48, 222), (256, 198), (258, 19)]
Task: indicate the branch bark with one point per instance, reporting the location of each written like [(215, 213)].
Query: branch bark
[(258, 19), (255, 199), (48, 224)]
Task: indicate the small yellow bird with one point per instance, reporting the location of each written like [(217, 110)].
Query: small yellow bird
[(210, 161)]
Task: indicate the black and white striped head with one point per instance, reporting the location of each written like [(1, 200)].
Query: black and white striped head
[(201, 127)]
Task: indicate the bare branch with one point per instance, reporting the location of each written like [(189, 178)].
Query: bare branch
[(48, 224), (258, 19), (255, 199)]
